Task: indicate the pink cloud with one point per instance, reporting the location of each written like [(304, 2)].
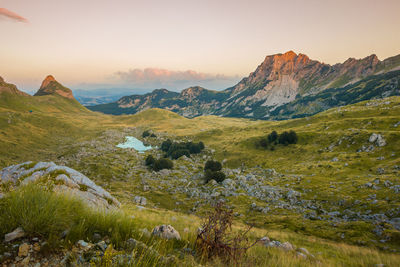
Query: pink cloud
[(11, 15), (164, 75)]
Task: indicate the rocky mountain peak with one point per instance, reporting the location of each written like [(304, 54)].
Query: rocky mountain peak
[(47, 81), (50, 86)]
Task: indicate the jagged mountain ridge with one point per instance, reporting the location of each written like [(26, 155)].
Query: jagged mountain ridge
[(280, 79)]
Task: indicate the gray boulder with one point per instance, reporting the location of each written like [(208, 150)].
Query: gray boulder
[(17, 233), (166, 231), (140, 200), (64, 179), (378, 139)]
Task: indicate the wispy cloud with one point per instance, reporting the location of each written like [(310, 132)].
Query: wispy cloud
[(11, 15), (156, 77)]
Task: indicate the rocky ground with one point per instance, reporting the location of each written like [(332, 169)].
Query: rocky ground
[(252, 190)]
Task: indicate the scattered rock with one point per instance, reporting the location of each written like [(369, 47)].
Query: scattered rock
[(287, 246), (166, 231), (17, 233), (373, 138), (102, 245), (304, 251), (378, 139), (25, 262), (301, 255), (140, 200), (23, 250), (83, 244), (36, 247)]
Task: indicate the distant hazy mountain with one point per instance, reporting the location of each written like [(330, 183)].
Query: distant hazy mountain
[(279, 80), (100, 96)]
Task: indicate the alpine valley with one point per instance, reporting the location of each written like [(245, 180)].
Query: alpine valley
[(317, 190)]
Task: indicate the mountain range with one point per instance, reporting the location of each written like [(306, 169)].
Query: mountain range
[(283, 86)]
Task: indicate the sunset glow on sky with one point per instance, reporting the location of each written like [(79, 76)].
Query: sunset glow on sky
[(174, 44)]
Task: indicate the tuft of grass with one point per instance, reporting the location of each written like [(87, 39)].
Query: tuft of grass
[(48, 215)]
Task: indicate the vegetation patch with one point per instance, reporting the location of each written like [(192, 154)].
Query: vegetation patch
[(212, 171), (175, 150), (158, 164), (272, 139)]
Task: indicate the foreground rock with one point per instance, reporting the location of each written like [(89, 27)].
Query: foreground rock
[(166, 231), (17, 233), (62, 179)]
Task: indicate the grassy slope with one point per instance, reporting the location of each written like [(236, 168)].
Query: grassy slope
[(56, 122)]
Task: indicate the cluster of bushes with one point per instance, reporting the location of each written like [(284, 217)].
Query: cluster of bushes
[(176, 150), (147, 133), (274, 138), (212, 171), (158, 164)]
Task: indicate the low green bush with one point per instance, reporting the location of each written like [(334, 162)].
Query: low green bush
[(150, 160), (213, 165), (175, 150), (146, 133), (274, 138), (162, 163), (212, 171), (218, 176)]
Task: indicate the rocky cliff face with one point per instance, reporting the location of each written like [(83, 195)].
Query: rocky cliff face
[(51, 87), (283, 77), (10, 88), (280, 79)]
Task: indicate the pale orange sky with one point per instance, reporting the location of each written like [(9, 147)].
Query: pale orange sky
[(173, 44)]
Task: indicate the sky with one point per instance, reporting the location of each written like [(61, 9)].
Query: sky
[(174, 44)]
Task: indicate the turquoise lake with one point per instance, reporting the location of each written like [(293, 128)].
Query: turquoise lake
[(132, 142)]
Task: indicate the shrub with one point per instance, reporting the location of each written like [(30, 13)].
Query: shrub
[(272, 137), (292, 137), (218, 176), (153, 135), (201, 144), (213, 166), (194, 148), (150, 160), (176, 150), (166, 145), (162, 163), (179, 153), (216, 239), (146, 133), (286, 138)]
